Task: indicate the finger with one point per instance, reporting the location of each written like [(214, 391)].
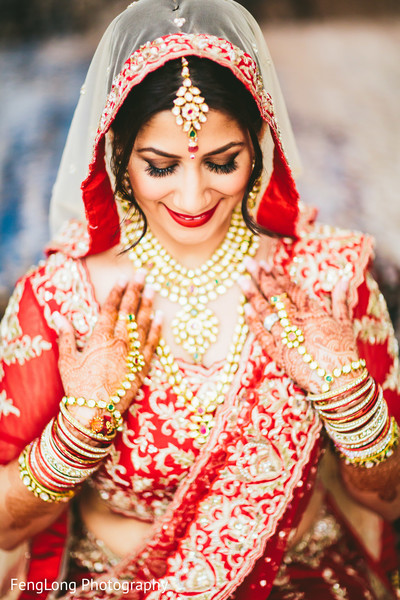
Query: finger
[(110, 308), (269, 283), (129, 304), (340, 306), (131, 298), (144, 314), (148, 353), (66, 338), (152, 339), (254, 296), (264, 337)]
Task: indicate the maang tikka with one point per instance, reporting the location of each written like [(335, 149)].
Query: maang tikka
[(189, 108)]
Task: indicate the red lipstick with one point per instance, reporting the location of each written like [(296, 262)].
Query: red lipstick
[(191, 220)]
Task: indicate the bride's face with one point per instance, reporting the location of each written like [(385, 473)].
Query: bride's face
[(189, 201)]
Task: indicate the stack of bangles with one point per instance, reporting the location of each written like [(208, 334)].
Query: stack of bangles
[(357, 419), (55, 464), (356, 416)]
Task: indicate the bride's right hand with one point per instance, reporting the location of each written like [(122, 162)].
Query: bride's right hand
[(98, 370)]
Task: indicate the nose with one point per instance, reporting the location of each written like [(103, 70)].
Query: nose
[(191, 196)]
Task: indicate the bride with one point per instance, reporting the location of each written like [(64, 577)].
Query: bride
[(194, 400)]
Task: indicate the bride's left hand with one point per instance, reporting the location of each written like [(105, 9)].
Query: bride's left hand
[(328, 338)]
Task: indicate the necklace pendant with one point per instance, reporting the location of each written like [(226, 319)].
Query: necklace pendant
[(195, 328)]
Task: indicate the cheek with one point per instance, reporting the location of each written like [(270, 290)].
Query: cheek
[(234, 184), (148, 189)]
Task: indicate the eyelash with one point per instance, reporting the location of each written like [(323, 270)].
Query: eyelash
[(225, 169)]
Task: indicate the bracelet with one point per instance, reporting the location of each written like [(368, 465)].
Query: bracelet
[(87, 432), (40, 491), (379, 452), (52, 466), (364, 435), (339, 391), (347, 424), (99, 423), (293, 337), (332, 416), (75, 445)]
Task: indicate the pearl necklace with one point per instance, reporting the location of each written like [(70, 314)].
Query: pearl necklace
[(195, 326)]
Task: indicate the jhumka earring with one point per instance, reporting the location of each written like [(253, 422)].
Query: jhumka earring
[(189, 108), (252, 197)]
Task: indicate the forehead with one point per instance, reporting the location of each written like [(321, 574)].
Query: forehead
[(219, 129)]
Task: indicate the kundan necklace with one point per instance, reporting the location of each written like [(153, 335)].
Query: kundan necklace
[(195, 326)]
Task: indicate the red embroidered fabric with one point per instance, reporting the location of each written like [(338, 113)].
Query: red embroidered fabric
[(220, 512)]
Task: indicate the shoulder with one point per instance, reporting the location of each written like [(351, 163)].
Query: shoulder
[(323, 255)]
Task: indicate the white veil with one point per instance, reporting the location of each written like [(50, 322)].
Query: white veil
[(142, 22)]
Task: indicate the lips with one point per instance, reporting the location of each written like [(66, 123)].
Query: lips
[(190, 220)]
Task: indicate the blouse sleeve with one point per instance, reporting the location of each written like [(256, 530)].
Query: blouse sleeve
[(377, 342), (30, 386)]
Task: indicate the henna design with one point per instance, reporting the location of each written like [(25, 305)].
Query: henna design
[(329, 339), (382, 479), (98, 370)]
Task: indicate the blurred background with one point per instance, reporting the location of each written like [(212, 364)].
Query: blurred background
[(339, 66)]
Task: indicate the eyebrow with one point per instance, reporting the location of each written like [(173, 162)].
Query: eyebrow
[(212, 153)]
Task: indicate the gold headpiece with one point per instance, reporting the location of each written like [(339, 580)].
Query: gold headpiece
[(189, 108)]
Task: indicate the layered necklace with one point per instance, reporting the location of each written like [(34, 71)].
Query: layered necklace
[(195, 326)]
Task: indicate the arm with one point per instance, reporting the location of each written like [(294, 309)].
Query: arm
[(30, 389), (329, 339), (94, 373), (377, 488)]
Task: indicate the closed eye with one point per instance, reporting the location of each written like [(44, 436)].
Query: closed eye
[(159, 172), (224, 168)]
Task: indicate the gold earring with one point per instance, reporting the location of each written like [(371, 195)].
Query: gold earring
[(252, 197), (189, 108)]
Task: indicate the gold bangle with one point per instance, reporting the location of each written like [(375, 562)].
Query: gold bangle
[(31, 483), (339, 391), (87, 432), (380, 452)]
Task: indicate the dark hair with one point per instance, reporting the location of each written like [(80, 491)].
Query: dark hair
[(221, 90)]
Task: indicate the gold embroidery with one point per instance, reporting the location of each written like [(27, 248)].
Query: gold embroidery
[(7, 406), (63, 285), (15, 347), (376, 328)]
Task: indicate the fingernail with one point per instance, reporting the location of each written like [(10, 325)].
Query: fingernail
[(250, 264), (158, 317), (248, 309), (266, 266), (59, 320), (148, 292), (243, 283), (140, 275), (122, 281)]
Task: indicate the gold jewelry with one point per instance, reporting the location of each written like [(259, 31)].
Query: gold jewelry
[(108, 426), (293, 337), (134, 362), (377, 453), (189, 108), (369, 387), (338, 392), (33, 485), (252, 197), (202, 409), (195, 326), (90, 433)]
